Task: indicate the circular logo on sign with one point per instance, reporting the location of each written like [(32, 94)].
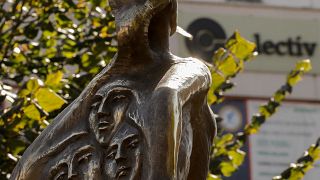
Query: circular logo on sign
[(208, 36), (232, 118)]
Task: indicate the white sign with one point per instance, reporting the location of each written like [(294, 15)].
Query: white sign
[(283, 139), (283, 36)]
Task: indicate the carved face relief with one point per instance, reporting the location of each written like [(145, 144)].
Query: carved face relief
[(123, 157), (81, 163), (108, 110)]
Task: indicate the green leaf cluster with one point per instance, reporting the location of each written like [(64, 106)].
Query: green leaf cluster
[(227, 155), (227, 63), (49, 51), (267, 110), (297, 170)]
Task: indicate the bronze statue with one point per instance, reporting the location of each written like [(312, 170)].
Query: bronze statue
[(145, 116)]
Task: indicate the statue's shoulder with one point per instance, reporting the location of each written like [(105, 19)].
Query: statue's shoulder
[(193, 64), (187, 74)]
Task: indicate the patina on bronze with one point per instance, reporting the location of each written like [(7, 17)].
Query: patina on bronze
[(145, 116)]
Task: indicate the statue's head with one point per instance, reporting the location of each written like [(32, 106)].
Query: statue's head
[(133, 17), (79, 161), (123, 158), (78, 157), (108, 109)]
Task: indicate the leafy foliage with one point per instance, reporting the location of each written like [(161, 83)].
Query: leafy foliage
[(227, 155), (265, 111), (227, 63), (49, 50), (297, 170)]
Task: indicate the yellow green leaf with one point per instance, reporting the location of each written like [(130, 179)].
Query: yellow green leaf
[(212, 98), (296, 174), (217, 80), (227, 168), (237, 157), (240, 64), (220, 100), (19, 58), (84, 60), (278, 97), (294, 80), (224, 139), (96, 23), (21, 125), (51, 42), (51, 52), (314, 152), (213, 177), (33, 84), (32, 112), (264, 111), (304, 65), (251, 129), (68, 54), (24, 92), (94, 70), (104, 32), (54, 78), (240, 47), (229, 66), (49, 100), (218, 57), (308, 167), (112, 49), (220, 151)]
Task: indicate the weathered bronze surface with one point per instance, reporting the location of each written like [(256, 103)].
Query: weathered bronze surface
[(145, 116)]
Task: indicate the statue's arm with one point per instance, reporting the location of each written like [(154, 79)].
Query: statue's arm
[(183, 81)]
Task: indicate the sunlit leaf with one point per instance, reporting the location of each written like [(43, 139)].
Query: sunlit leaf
[(32, 112), (49, 100), (314, 152), (218, 56), (278, 97), (296, 174), (51, 42), (85, 60), (224, 139), (304, 65), (217, 80), (212, 98), (213, 177), (293, 80), (33, 84), (24, 92), (227, 168), (68, 54), (237, 157), (229, 66), (54, 79), (252, 129), (239, 46), (263, 110)]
